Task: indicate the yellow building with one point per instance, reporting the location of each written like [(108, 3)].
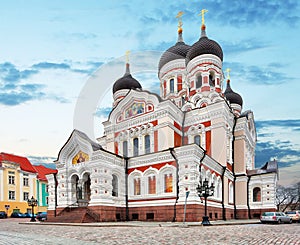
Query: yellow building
[(18, 180)]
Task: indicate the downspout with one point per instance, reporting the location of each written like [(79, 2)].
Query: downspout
[(248, 205), (233, 171), (177, 182), (177, 167), (182, 128), (126, 189), (55, 193), (200, 163), (204, 154), (223, 194)]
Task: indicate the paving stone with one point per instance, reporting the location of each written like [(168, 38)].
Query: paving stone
[(12, 232)]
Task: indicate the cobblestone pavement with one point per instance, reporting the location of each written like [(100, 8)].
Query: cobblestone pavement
[(12, 232)]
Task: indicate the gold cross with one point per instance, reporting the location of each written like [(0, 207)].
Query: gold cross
[(203, 11), (127, 56), (228, 73), (178, 16)]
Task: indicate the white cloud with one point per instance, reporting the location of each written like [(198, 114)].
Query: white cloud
[(289, 175)]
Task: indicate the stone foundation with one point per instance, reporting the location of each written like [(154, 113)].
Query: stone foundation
[(168, 213)]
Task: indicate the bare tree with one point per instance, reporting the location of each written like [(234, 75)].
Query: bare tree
[(288, 197)]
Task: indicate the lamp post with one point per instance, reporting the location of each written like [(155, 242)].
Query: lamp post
[(205, 191), (32, 203)]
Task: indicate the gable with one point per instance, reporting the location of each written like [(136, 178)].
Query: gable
[(136, 103), (77, 149)]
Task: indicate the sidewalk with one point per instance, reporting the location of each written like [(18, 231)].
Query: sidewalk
[(149, 224)]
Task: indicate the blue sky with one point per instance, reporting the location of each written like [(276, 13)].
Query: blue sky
[(50, 49)]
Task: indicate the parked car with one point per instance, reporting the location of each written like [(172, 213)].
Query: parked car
[(29, 215), (41, 216), (3, 215), (295, 215), (275, 217), (17, 215)]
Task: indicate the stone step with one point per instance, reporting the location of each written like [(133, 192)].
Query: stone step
[(73, 215)]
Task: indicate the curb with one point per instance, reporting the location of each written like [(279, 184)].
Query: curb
[(144, 224)]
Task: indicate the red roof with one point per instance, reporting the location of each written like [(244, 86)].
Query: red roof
[(43, 171), (22, 161)]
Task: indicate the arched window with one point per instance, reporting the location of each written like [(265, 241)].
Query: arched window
[(135, 147), (219, 188), (230, 189), (172, 85), (125, 148), (197, 140), (211, 78), (256, 194), (147, 144), (151, 184), (137, 186), (115, 186), (168, 183), (199, 81)]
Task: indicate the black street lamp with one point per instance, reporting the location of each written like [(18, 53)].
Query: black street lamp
[(32, 203), (205, 191)]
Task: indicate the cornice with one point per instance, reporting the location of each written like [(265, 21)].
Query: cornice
[(152, 158)]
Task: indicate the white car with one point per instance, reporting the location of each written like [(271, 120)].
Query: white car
[(275, 217)]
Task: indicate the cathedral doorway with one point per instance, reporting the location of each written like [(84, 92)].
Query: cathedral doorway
[(86, 187)]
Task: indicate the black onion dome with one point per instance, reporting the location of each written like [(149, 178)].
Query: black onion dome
[(233, 97), (178, 51), (204, 46), (126, 82)]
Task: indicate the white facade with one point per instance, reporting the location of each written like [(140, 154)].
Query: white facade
[(155, 148)]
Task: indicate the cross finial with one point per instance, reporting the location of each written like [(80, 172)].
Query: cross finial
[(228, 73), (203, 11), (127, 56), (179, 17)]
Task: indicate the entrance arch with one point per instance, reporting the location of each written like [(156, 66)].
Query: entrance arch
[(86, 187)]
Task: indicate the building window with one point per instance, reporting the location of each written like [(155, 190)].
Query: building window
[(219, 188), (137, 186), (11, 180), (199, 81), (47, 188), (256, 194), (115, 186), (25, 181), (197, 140), (230, 189), (25, 196), (152, 184), (168, 183), (47, 200), (147, 144), (11, 195), (172, 85), (135, 147), (212, 79), (125, 148)]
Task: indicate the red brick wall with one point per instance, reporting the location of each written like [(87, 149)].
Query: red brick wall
[(194, 213)]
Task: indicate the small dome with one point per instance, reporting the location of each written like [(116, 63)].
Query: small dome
[(234, 98), (178, 51), (204, 46), (126, 82)]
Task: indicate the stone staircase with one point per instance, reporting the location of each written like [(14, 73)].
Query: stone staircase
[(75, 215)]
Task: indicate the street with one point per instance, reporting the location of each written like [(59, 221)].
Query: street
[(14, 232)]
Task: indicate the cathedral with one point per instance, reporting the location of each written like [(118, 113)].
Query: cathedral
[(157, 150)]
